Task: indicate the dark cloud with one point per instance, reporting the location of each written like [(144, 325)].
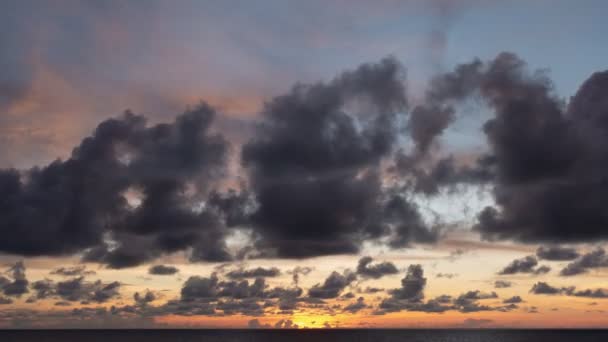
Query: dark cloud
[(256, 324), (75, 290), (595, 293), (465, 303), (78, 290), (409, 295), (542, 269), (315, 161), (333, 285), (594, 259), (43, 289), (144, 299), (254, 273), (199, 287), (501, 284), (162, 270), (556, 253), (546, 159), (297, 271), (72, 271), (83, 202), (412, 286), (513, 300), (17, 284), (356, 306), (446, 275), (365, 268), (550, 158), (524, 265), (468, 302), (285, 324), (544, 288)]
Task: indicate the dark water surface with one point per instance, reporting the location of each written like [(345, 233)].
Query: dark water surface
[(375, 335)]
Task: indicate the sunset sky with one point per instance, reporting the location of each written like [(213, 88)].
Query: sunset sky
[(303, 164)]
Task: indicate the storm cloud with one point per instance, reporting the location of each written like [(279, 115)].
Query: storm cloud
[(315, 161), (129, 183)]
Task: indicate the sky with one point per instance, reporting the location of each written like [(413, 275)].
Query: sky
[(303, 164)]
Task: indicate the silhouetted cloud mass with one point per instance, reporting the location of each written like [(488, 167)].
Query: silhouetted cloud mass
[(314, 166), (556, 253), (594, 259), (162, 270), (365, 268)]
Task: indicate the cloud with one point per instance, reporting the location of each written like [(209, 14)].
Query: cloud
[(468, 301), (376, 271), (314, 166), (544, 288), (256, 324), (544, 151), (297, 271), (513, 300), (556, 253), (332, 286), (525, 265), (501, 284), (72, 271), (285, 324), (409, 295), (592, 293), (199, 287), (162, 270), (540, 149), (17, 285), (75, 290), (356, 306), (254, 273), (82, 203), (412, 286), (594, 259), (144, 299)]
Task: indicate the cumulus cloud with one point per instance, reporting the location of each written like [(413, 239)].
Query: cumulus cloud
[(594, 259), (254, 273), (501, 284), (525, 265), (468, 301), (365, 268), (411, 291), (17, 284), (332, 286), (556, 253), (513, 300), (73, 271), (315, 161), (163, 270), (545, 288), (356, 306), (128, 185)]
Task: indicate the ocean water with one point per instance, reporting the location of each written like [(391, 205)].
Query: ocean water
[(337, 335)]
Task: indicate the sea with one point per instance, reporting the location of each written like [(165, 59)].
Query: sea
[(306, 335)]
